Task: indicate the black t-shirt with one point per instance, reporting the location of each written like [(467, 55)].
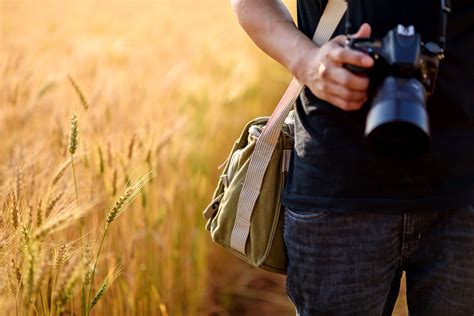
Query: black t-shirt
[(332, 169)]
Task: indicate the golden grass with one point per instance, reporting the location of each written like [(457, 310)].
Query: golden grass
[(157, 85)]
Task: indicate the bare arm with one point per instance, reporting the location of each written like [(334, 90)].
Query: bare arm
[(271, 27)]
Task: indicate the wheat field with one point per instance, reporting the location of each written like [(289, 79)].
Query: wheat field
[(114, 116)]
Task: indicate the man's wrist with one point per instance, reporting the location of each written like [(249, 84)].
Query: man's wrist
[(301, 61)]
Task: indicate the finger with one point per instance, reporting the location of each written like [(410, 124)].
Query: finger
[(340, 40), (364, 31), (333, 96), (347, 79), (340, 91), (344, 93), (341, 55), (341, 103)]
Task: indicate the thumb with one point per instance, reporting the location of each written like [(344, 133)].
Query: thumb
[(364, 31)]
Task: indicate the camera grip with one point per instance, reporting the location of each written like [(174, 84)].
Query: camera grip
[(356, 70)]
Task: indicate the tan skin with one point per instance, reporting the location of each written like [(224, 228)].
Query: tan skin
[(270, 25)]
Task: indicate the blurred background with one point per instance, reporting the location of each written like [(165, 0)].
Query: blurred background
[(94, 95)]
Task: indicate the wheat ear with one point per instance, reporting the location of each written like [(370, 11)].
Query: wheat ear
[(14, 210), (59, 174), (117, 209), (73, 147), (79, 93), (52, 203), (105, 285)]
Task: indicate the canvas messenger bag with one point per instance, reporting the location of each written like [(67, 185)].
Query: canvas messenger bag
[(245, 215)]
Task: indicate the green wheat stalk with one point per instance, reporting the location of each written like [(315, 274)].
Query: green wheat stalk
[(105, 285), (118, 208), (73, 147)]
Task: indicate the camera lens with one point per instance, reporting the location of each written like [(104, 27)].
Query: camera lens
[(397, 123)]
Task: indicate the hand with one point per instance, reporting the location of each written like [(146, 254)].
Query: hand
[(323, 73)]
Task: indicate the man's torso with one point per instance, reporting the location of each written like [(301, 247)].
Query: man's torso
[(331, 167)]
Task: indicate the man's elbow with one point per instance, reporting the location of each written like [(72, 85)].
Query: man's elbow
[(244, 10), (237, 5)]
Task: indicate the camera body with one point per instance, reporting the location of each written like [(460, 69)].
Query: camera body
[(401, 80)]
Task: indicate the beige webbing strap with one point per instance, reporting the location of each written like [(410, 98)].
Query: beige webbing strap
[(285, 161), (266, 143)]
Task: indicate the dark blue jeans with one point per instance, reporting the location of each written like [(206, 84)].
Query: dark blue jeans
[(351, 264)]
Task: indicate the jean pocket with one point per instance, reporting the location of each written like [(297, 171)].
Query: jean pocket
[(306, 215)]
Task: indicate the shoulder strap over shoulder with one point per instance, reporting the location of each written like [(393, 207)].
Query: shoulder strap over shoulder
[(265, 145)]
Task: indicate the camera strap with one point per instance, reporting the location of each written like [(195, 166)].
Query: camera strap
[(443, 23), (267, 141)]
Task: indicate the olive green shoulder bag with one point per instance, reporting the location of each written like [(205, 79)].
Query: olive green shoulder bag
[(245, 215)]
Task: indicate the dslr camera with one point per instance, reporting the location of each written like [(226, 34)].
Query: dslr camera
[(402, 79)]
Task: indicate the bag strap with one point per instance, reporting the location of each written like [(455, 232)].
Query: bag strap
[(266, 143)]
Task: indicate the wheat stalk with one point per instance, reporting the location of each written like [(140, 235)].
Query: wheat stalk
[(109, 154), (61, 257), (105, 285), (99, 293), (19, 183), (131, 146), (119, 206), (30, 262), (17, 276), (67, 290), (41, 274), (117, 209), (87, 263), (39, 214), (101, 160), (125, 199), (52, 226), (72, 150), (65, 284), (73, 134), (29, 220), (52, 203), (25, 235), (79, 93), (14, 211), (114, 182), (60, 220), (59, 174)]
